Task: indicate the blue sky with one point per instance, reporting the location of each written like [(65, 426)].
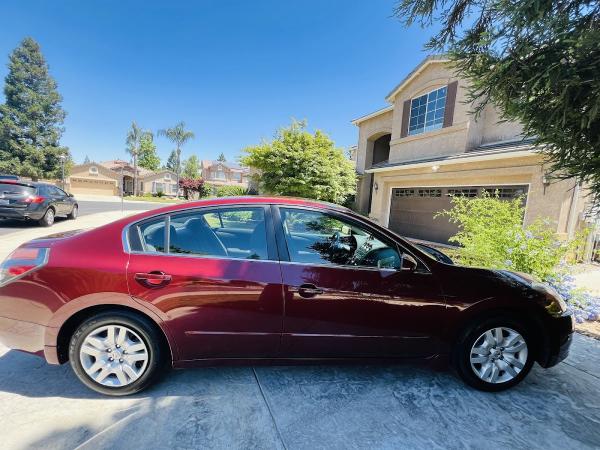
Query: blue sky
[(234, 71)]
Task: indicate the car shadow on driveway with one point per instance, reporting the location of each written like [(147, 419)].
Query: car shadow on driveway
[(298, 407)]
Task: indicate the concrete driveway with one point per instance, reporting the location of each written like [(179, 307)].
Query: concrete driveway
[(309, 407)]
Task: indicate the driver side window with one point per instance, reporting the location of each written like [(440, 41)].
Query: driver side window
[(316, 238)]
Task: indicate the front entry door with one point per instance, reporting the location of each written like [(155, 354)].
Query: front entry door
[(345, 295), (214, 274)]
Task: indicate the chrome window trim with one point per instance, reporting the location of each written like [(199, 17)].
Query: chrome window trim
[(182, 255)]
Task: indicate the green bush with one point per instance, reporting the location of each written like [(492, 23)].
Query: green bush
[(230, 191), (159, 193), (491, 235)]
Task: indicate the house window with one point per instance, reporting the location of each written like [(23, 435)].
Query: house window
[(158, 187), (167, 177), (174, 188), (220, 175), (93, 170), (427, 111), (237, 176)]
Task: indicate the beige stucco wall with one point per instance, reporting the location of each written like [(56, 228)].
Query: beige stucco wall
[(146, 182)]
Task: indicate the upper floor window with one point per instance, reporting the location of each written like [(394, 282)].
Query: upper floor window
[(167, 177), (427, 111), (93, 170)]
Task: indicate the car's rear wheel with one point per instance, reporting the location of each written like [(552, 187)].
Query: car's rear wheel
[(494, 354), (48, 219), (73, 214), (116, 353)]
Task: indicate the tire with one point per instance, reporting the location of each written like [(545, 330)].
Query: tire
[(48, 219), (475, 364), (73, 214), (143, 333)]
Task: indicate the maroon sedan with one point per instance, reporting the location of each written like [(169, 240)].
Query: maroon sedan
[(267, 279)]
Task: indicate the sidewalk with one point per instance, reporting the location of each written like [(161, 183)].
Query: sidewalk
[(11, 241)]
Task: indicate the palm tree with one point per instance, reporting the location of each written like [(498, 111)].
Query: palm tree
[(178, 136), (134, 138)]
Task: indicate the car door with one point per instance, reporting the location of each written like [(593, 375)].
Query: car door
[(57, 198), (347, 294), (223, 301)]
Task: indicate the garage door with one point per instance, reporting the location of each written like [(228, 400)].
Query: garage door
[(87, 186), (413, 209)]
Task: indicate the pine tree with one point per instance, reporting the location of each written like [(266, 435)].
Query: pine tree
[(221, 157), (87, 160), (32, 117), (172, 161)]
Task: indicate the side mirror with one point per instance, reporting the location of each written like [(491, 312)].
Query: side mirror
[(70, 195), (408, 263)]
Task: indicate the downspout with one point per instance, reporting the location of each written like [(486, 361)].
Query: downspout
[(573, 212)]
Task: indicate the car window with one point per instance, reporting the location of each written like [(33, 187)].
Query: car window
[(232, 232), (152, 234), (318, 238), (10, 189)]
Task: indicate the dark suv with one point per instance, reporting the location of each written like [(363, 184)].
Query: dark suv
[(29, 200)]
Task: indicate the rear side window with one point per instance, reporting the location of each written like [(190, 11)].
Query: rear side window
[(11, 189), (152, 234), (234, 233), (238, 233)]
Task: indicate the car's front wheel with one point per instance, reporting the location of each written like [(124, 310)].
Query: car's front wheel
[(73, 214), (494, 354), (116, 353)]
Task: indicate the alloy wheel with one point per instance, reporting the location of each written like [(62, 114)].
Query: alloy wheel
[(499, 355), (50, 216), (114, 355)]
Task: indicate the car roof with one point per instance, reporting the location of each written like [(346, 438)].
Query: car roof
[(25, 183), (247, 200)]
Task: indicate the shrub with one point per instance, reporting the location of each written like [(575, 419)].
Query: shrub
[(159, 193), (491, 235), (230, 191), (585, 306), (194, 188)]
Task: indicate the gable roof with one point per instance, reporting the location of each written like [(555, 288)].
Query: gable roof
[(207, 164), (431, 59)]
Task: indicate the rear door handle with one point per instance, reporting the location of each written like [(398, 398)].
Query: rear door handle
[(307, 290), (153, 279)]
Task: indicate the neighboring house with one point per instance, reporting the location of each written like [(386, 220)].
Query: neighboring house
[(109, 177), (224, 173), (425, 147)]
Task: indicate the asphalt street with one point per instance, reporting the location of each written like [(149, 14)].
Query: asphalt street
[(85, 208)]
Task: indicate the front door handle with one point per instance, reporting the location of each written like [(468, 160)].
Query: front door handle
[(308, 290), (154, 279)]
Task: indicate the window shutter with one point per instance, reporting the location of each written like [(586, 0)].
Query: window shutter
[(450, 102), (405, 118)]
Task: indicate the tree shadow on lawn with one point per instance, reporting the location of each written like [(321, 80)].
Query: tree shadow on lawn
[(375, 406)]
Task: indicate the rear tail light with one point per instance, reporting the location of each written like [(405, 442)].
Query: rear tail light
[(35, 199), (22, 261)]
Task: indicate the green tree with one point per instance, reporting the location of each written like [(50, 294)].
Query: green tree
[(87, 160), (134, 139), (172, 162), (31, 118), (178, 135), (222, 158), (538, 61), (302, 164), (191, 168), (148, 158)]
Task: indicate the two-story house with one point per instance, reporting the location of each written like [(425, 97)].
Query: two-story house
[(224, 173), (425, 147)]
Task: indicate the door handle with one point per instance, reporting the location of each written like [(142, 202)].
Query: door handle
[(308, 290), (154, 279)]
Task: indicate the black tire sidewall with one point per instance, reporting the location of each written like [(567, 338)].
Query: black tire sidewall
[(462, 353), (142, 327), (73, 214)]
